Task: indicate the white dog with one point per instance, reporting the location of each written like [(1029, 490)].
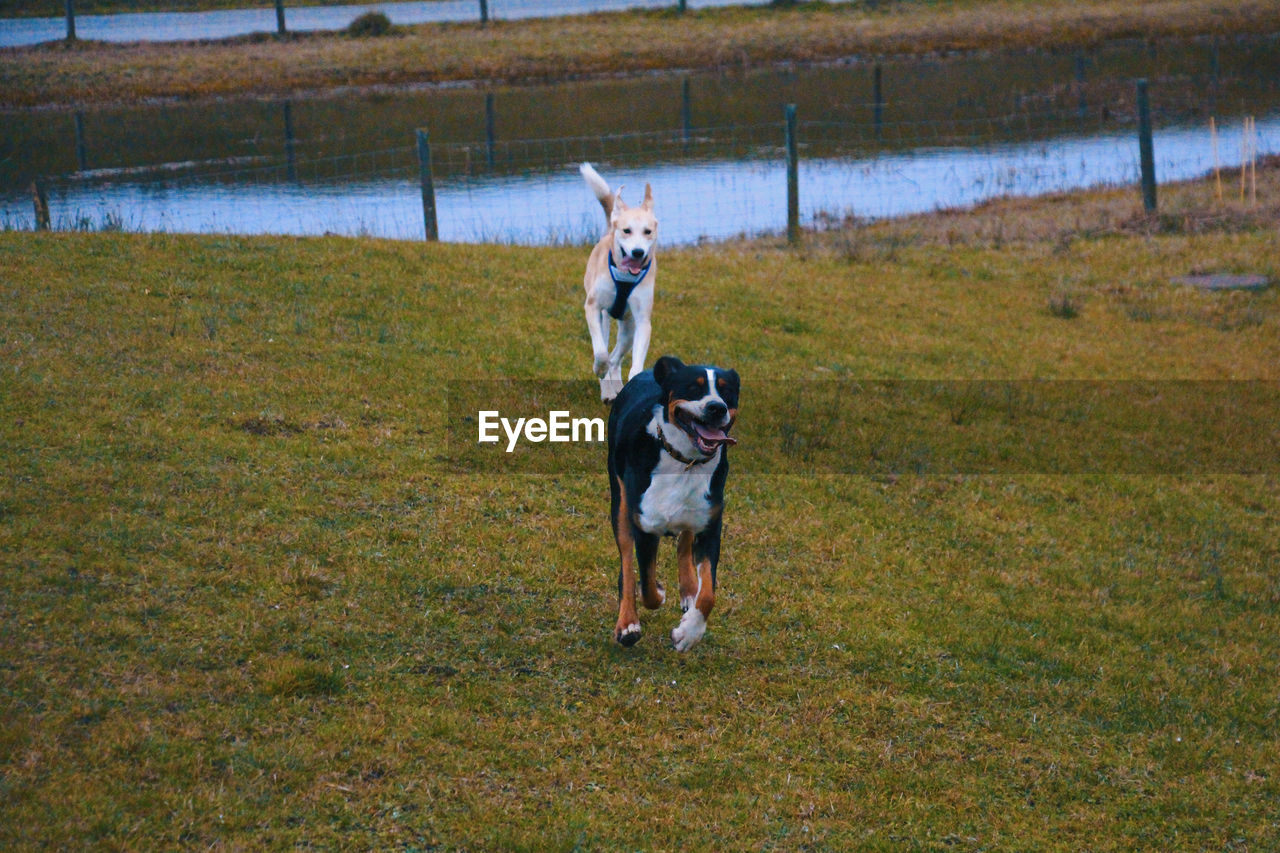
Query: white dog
[(620, 280)]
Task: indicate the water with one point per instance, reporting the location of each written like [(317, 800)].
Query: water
[(695, 202), (944, 133), (221, 24)]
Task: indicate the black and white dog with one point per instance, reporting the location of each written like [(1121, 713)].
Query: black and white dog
[(668, 440)]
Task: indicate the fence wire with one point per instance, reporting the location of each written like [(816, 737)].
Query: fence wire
[(710, 183)]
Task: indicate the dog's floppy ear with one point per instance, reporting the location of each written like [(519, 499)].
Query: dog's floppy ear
[(664, 367), (731, 376), (648, 198)]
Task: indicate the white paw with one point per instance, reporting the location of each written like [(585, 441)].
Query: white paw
[(609, 389), (690, 630)]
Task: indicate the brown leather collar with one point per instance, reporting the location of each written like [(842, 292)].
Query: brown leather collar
[(677, 455)]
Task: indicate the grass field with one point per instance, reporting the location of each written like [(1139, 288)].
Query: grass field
[(58, 74), (247, 602)]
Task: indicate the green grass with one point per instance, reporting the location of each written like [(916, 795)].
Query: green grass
[(247, 603)]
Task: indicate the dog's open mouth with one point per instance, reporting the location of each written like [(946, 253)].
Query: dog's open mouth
[(705, 437), (632, 265)]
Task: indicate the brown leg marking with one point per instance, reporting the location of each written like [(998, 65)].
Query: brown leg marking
[(652, 593), (707, 594), (627, 631), (688, 578)]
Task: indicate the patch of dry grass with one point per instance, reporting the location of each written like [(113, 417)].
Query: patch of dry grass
[(593, 45)]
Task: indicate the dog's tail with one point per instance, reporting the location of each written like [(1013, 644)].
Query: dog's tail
[(600, 187)]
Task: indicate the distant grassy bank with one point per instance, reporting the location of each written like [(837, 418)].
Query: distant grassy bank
[(247, 602), (58, 74)]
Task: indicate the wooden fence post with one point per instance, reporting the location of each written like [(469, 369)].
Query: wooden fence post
[(280, 29), (428, 187), (484, 12), (71, 20), (41, 201), (793, 178), (1145, 150)]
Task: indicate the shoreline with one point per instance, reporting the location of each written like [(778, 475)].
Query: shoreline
[(56, 76)]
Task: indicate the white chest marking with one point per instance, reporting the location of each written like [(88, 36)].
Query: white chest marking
[(677, 499)]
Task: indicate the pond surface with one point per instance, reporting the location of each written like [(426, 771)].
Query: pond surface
[(908, 137), (695, 202)]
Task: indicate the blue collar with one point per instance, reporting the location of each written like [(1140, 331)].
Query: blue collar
[(623, 283)]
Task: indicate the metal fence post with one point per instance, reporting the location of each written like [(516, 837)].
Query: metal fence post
[(1145, 151), (71, 21), (82, 157), (686, 111), (280, 17), (490, 120), (290, 155), (1082, 104), (428, 187), (793, 178), (877, 95)]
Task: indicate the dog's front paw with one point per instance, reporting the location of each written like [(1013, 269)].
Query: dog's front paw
[(601, 364), (690, 630), (609, 389), (627, 634)]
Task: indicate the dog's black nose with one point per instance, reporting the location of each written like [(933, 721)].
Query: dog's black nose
[(637, 253), (715, 411)]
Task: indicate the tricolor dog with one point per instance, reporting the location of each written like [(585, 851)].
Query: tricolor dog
[(668, 445), (619, 282)]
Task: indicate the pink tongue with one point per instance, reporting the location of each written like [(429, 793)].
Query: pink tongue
[(713, 436), (631, 264)]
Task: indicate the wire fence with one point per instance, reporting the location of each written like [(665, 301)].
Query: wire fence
[(710, 182)]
